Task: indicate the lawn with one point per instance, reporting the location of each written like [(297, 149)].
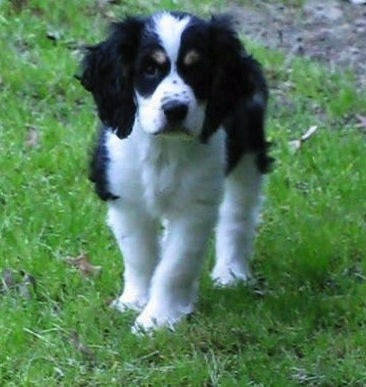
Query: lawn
[(303, 320)]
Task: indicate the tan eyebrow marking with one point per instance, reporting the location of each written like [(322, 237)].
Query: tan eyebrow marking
[(191, 58), (159, 56)]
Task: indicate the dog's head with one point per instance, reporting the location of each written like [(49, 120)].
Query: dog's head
[(173, 72)]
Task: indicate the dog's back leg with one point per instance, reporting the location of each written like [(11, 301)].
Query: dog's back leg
[(238, 218)]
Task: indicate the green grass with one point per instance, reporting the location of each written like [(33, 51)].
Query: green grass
[(302, 323)]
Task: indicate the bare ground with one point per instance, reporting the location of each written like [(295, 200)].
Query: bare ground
[(330, 31)]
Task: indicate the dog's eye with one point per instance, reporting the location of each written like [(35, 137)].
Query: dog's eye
[(194, 67), (151, 70), (192, 62)]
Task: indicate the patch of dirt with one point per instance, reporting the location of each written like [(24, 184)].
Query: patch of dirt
[(330, 31)]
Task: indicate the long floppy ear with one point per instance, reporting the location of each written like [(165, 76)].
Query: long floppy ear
[(237, 77), (107, 72)]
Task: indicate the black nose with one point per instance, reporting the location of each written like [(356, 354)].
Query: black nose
[(175, 111)]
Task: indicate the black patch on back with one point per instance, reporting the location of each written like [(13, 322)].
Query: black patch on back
[(245, 134), (98, 167), (237, 95)]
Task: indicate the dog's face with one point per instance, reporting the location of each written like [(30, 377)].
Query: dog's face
[(174, 73), (173, 76)]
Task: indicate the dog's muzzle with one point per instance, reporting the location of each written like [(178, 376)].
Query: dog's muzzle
[(175, 113)]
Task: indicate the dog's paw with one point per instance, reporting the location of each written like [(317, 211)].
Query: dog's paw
[(230, 276), (152, 319), (124, 303)]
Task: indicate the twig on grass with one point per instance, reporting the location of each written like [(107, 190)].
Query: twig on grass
[(296, 145)]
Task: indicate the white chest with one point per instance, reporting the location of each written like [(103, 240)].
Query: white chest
[(166, 175), (178, 174)]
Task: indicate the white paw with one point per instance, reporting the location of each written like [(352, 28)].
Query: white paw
[(230, 276), (125, 303), (153, 318)]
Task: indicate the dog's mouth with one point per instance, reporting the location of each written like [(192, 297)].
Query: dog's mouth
[(174, 131)]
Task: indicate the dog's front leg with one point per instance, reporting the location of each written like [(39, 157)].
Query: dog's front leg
[(137, 236), (175, 282)]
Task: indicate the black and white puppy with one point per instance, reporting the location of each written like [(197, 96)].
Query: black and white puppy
[(182, 145)]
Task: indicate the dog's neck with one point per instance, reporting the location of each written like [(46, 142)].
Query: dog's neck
[(160, 150)]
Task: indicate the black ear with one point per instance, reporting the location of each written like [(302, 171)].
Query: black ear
[(237, 77), (107, 72)]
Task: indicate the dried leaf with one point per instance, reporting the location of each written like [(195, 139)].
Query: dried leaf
[(33, 137), (54, 36), (295, 145), (24, 284), (7, 281), (82, 263), (361, 121), (27, 286)]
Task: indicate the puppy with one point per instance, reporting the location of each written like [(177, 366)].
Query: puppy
[(182, 150)]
